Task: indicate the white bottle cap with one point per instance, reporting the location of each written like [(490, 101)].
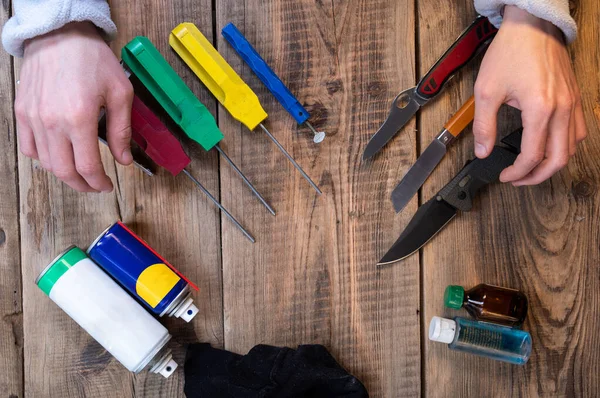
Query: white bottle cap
[(442, 330)]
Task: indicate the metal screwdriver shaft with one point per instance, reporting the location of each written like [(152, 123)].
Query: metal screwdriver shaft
[(248, 183), (216, 202), (290, 158)]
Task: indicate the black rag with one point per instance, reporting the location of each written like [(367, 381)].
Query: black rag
[(267, 372)]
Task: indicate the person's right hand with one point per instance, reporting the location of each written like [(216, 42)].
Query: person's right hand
[(67, 77)]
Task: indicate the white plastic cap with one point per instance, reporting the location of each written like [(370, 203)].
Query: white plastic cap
[(442, 330), (165, 365), (169, 368), (187, 310)]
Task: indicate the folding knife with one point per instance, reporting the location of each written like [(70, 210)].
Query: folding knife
[(470, 43), (457, 195)]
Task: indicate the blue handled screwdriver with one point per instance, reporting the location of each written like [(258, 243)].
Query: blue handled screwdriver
[(269, 78)]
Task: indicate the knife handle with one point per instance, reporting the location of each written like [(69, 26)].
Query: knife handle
[(476, 174), (473, 40), (462, 118)]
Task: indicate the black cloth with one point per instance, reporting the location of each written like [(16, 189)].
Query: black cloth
[(267, 372)]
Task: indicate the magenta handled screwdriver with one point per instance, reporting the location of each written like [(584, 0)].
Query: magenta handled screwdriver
[(164, 149), (269, 78)]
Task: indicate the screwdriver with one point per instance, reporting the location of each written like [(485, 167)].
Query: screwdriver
[(231, 91), (148, 65), (140, 159), (269, 78), (165, 150)]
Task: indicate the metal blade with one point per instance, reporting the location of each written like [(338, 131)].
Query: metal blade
[(427, 221), (417, 174), (404, 106)]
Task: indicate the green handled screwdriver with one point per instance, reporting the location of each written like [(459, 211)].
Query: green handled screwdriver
[(149, 66)]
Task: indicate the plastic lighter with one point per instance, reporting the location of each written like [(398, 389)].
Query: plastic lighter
[(269, 78)]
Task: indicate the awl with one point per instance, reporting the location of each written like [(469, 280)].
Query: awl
[(225, 84), (148, 65), (431, 157), (269, 78), (456, 196), (472, 41), (166, 151)]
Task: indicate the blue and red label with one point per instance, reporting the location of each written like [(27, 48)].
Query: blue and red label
[(138, 268)]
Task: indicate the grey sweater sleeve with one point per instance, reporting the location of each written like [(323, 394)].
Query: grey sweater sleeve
[(554, 11), (32, 18)]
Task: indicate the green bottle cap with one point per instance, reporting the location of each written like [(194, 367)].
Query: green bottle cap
[(454, 296), (58, 267)]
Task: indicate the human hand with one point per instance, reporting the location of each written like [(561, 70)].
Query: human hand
[(527, 66), (67, 76)]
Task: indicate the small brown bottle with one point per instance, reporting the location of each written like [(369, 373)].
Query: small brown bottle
[(489, 303)]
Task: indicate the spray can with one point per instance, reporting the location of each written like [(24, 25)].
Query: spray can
[(143, 272), (104, 310)]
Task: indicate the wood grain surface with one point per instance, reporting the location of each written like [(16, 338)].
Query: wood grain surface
[(311, 277), (541, 240), (11, 308)]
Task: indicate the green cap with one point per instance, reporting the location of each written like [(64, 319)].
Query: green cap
[(454, 296), (58, 267)]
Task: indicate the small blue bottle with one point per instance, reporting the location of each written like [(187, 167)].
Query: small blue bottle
[(481, 338)]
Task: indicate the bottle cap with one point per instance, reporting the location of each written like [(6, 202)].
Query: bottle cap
[(454, 296), (442, 330)]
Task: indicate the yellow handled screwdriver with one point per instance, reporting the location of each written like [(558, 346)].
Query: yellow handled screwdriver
[(229, 88)]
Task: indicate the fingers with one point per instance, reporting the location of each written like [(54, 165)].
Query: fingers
[(536, 117), (63, 164), (580, 127), (87, 156), (487, 104), (25, 133), (557, 150), (118, 122)]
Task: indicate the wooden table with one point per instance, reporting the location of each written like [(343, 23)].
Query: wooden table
[(311, 276)]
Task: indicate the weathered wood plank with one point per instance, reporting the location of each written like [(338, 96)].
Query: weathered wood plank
[(542, 240), (311, 276), (60, 358), (11, 308)]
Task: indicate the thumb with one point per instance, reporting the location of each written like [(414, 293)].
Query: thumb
[(484, 123), (118, 124)]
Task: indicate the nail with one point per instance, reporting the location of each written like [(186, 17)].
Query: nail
[(480, 149), (126, 156)]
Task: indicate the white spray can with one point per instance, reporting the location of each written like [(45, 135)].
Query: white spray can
[(107, 312)]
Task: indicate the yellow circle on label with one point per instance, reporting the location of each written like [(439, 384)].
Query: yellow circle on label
[(155, 282)]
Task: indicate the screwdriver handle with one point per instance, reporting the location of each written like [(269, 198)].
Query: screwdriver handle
[(156, 140), (266, 75), (216, 74), (144, 60)]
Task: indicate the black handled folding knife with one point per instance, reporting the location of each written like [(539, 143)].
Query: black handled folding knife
[(457, 195)]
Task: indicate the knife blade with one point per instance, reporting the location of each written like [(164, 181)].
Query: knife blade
[(468, 45), (456, 196), (431, 157)]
